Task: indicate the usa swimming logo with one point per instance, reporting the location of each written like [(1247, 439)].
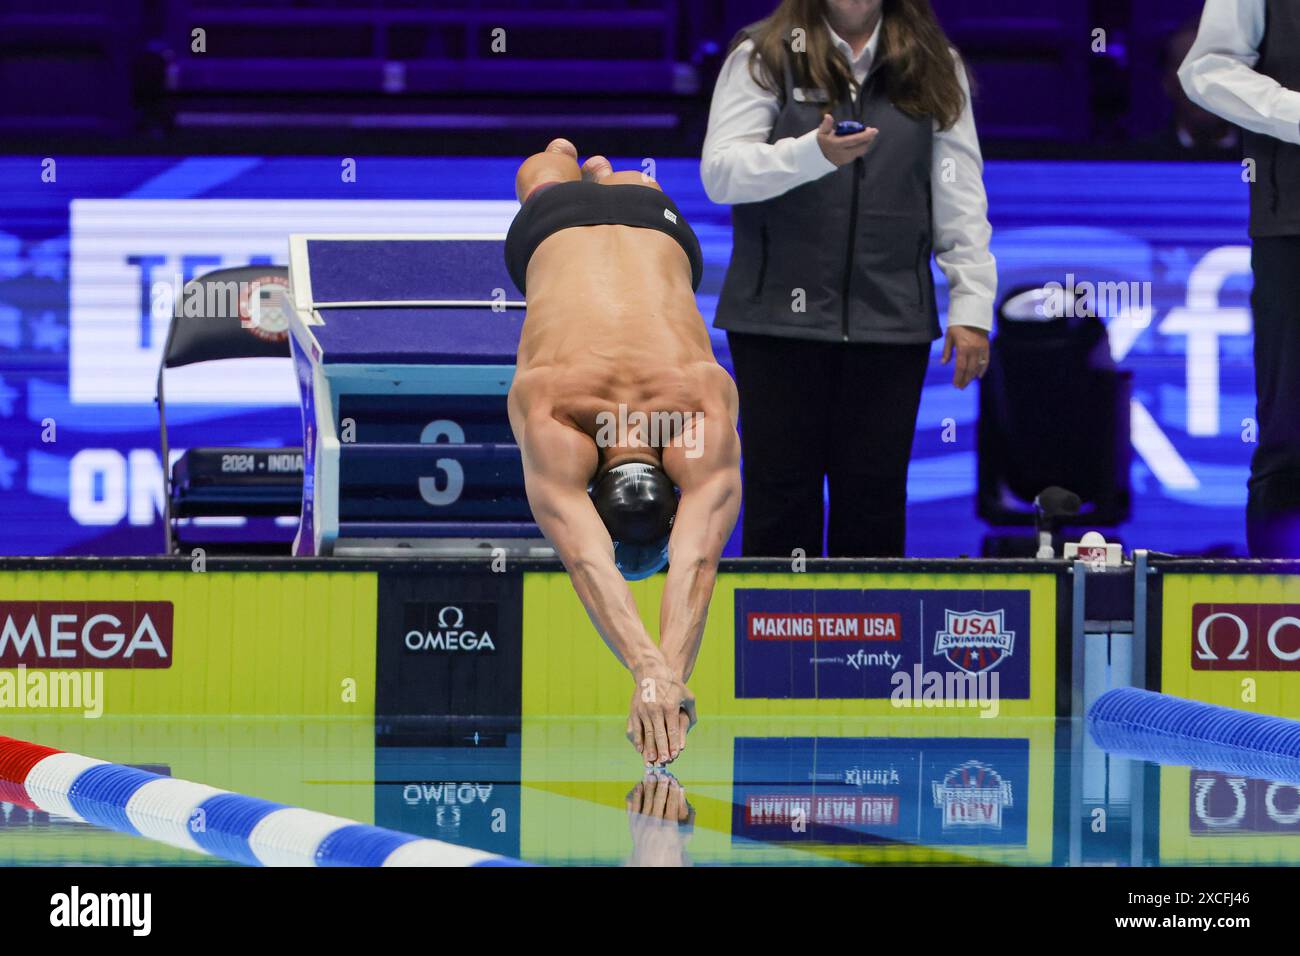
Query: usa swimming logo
[(972, 795), (974, 641)]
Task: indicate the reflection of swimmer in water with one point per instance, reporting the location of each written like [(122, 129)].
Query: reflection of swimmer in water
[(661, 821), (617, 398)]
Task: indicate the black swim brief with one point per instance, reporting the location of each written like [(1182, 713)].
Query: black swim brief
[(555, 206)]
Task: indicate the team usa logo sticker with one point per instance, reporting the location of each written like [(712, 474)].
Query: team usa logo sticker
[(974, 641), (263, 308)]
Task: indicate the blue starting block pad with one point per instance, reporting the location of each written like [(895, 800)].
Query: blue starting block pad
[(404, 348), (426, 335), (407, 270)]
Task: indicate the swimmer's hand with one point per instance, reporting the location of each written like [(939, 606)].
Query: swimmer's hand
[(662, 711), (687, 714)]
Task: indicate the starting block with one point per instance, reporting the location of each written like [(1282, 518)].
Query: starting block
[(404, 349)]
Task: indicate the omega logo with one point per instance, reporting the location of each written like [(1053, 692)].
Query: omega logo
[(1246, 637), (451, 635)]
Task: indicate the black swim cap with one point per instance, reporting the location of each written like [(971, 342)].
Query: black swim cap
[(637, 502)]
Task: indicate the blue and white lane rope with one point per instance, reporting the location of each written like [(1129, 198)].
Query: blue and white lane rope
[(197, 817), (1130, 722)]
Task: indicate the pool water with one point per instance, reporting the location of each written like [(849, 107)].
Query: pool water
[(746, 791)]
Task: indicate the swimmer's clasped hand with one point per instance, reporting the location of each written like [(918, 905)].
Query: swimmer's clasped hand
[(661, 712)]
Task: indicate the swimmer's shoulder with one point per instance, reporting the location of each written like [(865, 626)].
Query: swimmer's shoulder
[(715, 385)]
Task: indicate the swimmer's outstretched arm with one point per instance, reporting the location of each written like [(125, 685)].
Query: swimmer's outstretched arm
[(558, 461), (710, 502)]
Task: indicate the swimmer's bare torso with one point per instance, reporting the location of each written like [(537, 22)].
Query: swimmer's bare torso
[(612, 322), (612, 329)]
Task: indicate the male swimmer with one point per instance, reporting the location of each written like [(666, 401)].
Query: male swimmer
[(625, 420)]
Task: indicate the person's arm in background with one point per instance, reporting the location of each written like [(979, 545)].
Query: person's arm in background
[(1219, 74), (738, 164), (961, 241)]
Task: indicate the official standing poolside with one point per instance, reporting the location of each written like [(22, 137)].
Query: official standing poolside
[(1245, 67), (829, 301)]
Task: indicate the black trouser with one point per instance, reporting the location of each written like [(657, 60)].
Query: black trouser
[(816, 411), (1273, 508)]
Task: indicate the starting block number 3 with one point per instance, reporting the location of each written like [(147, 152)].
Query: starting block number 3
[(447, 432)]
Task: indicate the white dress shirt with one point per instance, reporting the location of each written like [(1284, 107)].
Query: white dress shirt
[(1219, 74), (739, 166)]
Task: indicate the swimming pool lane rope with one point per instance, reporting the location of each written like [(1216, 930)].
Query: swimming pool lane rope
[(194, 816)]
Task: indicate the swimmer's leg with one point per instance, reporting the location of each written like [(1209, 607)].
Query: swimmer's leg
[(558, 163)]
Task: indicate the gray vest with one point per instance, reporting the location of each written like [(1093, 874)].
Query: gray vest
[(1275, 194), (854, 245)]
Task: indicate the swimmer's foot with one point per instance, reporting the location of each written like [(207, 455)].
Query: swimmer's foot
[(596, 168), (563, 146)]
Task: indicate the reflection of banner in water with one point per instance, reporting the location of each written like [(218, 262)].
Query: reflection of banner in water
[(850, 791), (973, 795), (751, 780), (1225, 803), (789, 811)]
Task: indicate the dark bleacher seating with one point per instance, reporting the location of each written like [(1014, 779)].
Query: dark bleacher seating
[(404, 47), (1030, 61), (419, 77), (66, 66)]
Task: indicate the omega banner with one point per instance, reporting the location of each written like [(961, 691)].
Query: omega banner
[(178, 642), (449, 644), (1232, 639), (438, 641), (1207, 817), (907, 643), (260, 642)]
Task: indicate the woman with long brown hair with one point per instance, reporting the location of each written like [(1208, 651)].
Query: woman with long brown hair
[(829, 302)]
